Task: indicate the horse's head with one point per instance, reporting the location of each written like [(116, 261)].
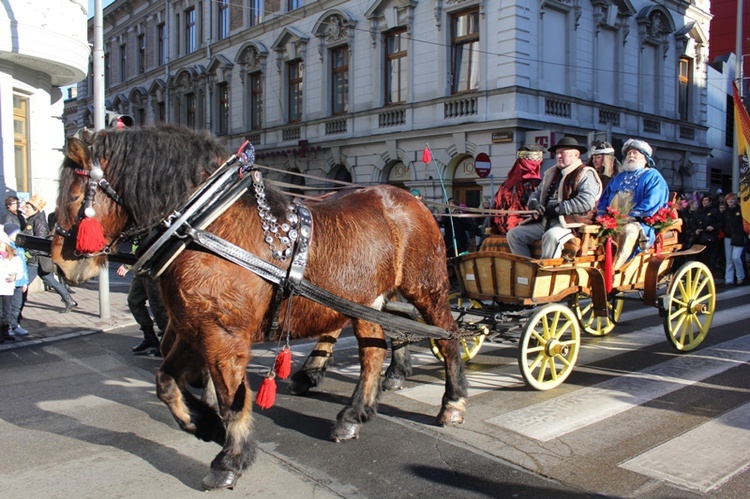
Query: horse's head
[(82, 195), (126, 181)]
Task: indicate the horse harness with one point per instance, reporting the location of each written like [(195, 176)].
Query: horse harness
[(186, 227)]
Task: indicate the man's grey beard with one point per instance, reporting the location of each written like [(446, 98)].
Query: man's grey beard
[(631, 165)]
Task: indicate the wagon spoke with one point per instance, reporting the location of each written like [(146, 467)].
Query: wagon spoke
[(680, 320), (542, 370), (677, 312), (539, 358), (542, 340), (552, 369), (563, 359)]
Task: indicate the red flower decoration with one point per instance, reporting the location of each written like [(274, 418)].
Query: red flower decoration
[(665, 217)]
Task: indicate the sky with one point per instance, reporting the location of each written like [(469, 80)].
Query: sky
[(91, 6)]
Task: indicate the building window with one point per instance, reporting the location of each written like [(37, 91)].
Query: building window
[(293, 4), (190, 110), (222, 89), (141, 54), (107, 74), (294, 84), (340, 79), (684, 92), (256, 101), (465, 47), (123, 62), (162, 110), (256, 12), (223, 19), (141, 116), (190, 31), (395, 67), (21, 142), (161, 33)]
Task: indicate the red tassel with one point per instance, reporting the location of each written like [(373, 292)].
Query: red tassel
[(283, 364), (266, 396), (608, 270), (90, 238)]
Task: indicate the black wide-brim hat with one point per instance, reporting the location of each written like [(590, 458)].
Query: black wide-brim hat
[(568, 143)]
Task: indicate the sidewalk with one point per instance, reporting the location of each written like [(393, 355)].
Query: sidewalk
[(43, 317)]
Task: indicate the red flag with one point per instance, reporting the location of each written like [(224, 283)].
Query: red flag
[(426, 155)]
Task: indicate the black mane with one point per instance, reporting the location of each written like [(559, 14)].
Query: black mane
[(155, 169)]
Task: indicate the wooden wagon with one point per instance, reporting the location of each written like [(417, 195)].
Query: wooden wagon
[(549, 301)]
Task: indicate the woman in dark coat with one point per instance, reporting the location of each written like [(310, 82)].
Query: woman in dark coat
[(707, 231), (735, 239)]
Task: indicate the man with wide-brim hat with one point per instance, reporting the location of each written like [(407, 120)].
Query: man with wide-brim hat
[(565, 199)]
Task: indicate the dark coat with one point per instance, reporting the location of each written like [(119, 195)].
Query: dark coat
[(36, 225), (733, 227)]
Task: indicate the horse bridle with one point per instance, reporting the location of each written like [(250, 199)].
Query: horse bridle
[(96, 181)]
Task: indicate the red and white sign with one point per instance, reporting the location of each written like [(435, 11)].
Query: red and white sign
[(482, 165)]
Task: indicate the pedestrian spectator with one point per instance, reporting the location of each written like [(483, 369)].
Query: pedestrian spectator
[(144, 289), (21, 285), (39, 262), (734, 241), (523, 179), (565, 199), (706, 233), (485, 228), (456, 229), (10, 268), (717, 258), (602, 159), (13, 213), (689, 223), (639, 191)]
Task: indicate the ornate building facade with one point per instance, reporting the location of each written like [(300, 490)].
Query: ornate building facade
[(355, 90)]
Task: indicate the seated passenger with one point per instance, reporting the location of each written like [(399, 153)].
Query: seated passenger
[(638, 190), (565, 199), (602, 159), (513, 194)]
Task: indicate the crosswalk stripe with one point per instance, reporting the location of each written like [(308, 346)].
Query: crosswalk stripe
[(702, 458), (553, 418)]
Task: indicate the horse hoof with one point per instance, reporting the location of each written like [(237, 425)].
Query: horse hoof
[(220, 479), (452, 413), (391, 384), (297, 387), (345, 431)]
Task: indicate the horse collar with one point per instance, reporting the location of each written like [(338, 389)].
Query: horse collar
[(287, 232)]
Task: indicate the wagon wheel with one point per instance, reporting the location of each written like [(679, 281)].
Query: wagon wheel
[(549, 346), (689, 306), (469, 346), (595, 325)]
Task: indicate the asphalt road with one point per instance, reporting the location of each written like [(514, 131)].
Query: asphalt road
[(80, 419)]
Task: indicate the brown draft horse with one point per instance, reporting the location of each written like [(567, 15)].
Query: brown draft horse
[(368, 245)]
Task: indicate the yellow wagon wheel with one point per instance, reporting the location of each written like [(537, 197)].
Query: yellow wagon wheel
[(549, 346), (689, 306), (469, 346), (593, 324)]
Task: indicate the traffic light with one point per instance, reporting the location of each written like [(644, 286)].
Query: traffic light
[(119, 121)]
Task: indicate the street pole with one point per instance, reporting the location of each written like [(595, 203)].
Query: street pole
[(99, 112), (738, 79)]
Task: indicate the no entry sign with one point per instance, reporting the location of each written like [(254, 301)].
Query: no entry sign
[(482, 165)]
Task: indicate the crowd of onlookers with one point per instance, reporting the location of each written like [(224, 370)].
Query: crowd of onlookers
[(716, 223)]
